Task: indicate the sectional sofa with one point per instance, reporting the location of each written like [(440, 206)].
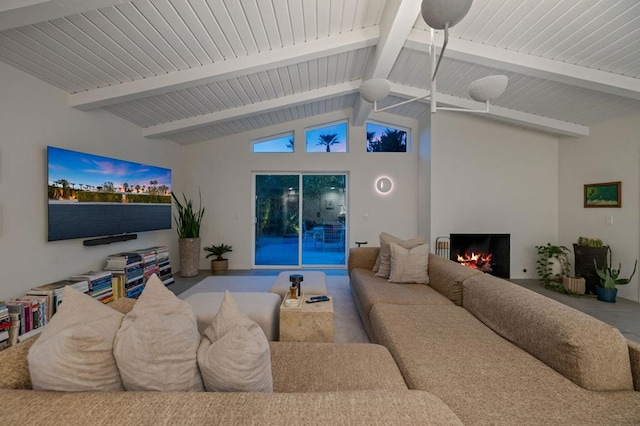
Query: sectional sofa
[(314, 383), (497, 353)]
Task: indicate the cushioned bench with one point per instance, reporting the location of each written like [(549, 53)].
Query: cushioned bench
[(263, 308)]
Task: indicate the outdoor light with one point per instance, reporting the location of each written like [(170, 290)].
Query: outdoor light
[(439, 15)]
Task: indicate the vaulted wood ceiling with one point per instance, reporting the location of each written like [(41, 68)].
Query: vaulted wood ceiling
[(194, 70)]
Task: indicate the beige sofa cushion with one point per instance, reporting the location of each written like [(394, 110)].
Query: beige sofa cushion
[(156, 345), (385, 251), (634, 355), (409, 265), (74, 353), (484, 378), (592, 354), (234, 352), (446, 277)]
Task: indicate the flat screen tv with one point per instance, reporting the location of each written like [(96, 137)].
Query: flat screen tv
[(93, 196)]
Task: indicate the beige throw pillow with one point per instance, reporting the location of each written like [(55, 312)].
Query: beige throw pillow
[(385, 251), (234, 353), (157, 343), (409, 266), (74, 353)]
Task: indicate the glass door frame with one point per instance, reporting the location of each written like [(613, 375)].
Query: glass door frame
[(300, 175)]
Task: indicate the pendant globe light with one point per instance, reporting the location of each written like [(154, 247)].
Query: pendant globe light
[(439, 15)]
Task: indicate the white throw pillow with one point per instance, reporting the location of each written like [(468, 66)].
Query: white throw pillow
[(234, 353), (409, 266), (385, 251), (74, 353), (157, 343)]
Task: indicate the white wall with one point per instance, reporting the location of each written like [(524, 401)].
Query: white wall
[(223, 168), (34, 114), (424, 176), (610, 153), (487, 177)]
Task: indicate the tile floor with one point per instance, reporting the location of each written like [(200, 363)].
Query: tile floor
[(624, 314)]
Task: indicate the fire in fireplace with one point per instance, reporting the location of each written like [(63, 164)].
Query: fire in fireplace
[(488, 253), (478, 261)]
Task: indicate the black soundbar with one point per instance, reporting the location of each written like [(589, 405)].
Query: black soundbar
[(109, 240)]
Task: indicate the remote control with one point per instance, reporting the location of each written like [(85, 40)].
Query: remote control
[(318, 299)]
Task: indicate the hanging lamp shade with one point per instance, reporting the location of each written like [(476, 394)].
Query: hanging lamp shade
[(437, 13), (375, 90), (488, 88)]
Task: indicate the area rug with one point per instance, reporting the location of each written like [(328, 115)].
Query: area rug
[(347, 326)]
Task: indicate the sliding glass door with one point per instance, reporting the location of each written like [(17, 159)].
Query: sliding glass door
[(300, 220)]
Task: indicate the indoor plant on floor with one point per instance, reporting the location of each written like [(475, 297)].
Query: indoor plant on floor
[(552, 265), (188, 221), (607, 290), (219, 264)]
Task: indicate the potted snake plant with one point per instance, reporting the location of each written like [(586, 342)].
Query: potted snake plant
[(188, 221)]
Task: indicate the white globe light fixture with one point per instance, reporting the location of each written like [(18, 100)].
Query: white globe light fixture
[(439, 15)]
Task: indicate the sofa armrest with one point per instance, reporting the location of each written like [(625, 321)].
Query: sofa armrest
[(362, 257), (14, 368)]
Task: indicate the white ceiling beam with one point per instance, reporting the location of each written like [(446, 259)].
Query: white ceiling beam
[(397, 20), (231, 68), (503, 114), (213, 118), (535, 66), (18, 13)]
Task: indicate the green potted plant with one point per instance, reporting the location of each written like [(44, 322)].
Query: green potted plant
[(219, 264), (188, 221), (607, 290), (552, 264)]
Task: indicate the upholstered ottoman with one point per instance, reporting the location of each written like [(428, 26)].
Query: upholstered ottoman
[(263, 308), (314, 282)]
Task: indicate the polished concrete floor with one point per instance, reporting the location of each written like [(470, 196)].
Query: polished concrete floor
[(624, 314)]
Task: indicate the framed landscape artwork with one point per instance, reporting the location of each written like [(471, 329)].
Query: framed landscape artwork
[(603, 194)]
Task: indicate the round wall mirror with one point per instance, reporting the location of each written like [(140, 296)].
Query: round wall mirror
[(384, 185)]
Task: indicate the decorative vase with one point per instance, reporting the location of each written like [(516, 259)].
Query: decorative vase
[(189, 256), (607, 294), (219, 266), (584, 257)]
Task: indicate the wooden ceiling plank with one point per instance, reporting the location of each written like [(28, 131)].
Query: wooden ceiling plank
[(259, 24), (45, 11), (561, 72), (248, 110), (228, 69), (183, 29), (297, 20), (152, 36), (210, 23), (105, 25), (197, 27), (240, 26), (55, 53), (283, 23), (310, 24)]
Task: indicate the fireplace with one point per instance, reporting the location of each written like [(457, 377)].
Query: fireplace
[(487, 252)]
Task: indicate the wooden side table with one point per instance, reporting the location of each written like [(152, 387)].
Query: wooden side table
[(311, 322)]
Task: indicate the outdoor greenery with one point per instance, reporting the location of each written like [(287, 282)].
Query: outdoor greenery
[(218, 250), (328, 140), (391, 140), (609, 276), (188, 219)]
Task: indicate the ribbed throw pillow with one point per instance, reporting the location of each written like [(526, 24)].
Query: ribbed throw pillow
[(75, 350), (234, 353), (157, 343), (385, 251), (409, 265)]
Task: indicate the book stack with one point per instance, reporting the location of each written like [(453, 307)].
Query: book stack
[(31, 312), (128, 274), (164, 266), (99, 284), (53, 293), (5, 325), (149, 262)]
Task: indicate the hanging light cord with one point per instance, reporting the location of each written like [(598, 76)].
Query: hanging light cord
[(444, 46)]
